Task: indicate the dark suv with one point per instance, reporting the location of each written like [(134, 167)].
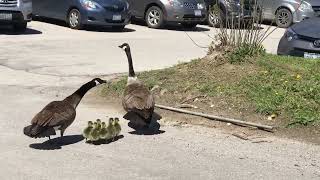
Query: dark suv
[(157, 13), (222, 10)]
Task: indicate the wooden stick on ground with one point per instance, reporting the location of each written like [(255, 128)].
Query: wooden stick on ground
[(218, 118)]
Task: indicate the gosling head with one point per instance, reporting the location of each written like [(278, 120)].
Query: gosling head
[(90, 123), (103, 125), (124, 46), (111, 120), (98, 81)]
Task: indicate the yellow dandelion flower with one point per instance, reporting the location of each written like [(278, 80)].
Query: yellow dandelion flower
[(298, 76)]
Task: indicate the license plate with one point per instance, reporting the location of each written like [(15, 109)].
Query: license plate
[(116, 17), (311, 55), (5, 16), (197, 12)]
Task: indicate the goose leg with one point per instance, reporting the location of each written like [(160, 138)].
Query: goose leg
[(61, 135)]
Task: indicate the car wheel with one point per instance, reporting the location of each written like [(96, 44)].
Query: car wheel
[(189, 25), (213, 19), (284, 18), (118, 28), (20, 27), (74, 19), (154, 17)]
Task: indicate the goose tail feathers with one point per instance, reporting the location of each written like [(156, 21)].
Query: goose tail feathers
[(36, 131)]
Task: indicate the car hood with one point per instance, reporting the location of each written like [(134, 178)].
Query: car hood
[(314, 2), (309, 28), (119, 3)]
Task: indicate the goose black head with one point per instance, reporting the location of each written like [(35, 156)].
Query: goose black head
[(99, 81), (124, 46)]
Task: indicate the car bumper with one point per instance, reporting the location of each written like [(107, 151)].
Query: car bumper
[(105, 18), (299, 16), (20, 13), (17, 17), (297, 47), (181, 15)]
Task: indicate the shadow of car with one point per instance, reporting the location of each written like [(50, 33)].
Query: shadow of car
[(302, 39), (77, 13)]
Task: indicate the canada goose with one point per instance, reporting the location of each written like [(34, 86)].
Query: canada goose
[(117, 127), (103, 131), (90, 138), (111, 129), (87, 130), (95, 133), (137, 98), (58, 115)]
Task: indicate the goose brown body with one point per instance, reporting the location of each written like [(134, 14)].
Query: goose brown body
[(58, 115), (137, 98)]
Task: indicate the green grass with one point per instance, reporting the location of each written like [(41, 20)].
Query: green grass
[(287, 86)]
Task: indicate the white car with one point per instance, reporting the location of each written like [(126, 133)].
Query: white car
[(16, 12)]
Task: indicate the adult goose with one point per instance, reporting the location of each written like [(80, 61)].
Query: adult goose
[(137, 100), (58, 115)]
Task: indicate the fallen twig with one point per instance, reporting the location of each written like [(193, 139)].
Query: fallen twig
[(261, 141), (187, 106), (243, 137), (218, 118)]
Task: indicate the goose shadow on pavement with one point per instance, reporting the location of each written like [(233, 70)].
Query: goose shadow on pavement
[(139, 127), (57, 143)]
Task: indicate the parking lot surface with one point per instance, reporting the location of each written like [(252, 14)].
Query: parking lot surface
[(49, 62)]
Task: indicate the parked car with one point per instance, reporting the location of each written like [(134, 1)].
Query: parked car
[(16, 12), (302, 39), (77, 13), (157, 13), (287, 12), (231, 10)]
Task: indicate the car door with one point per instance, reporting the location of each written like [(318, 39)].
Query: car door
[(267, 8), (36, 7), (137, 7), (41, 8), (60, 8)]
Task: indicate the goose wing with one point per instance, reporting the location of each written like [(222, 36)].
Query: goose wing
[(138, 96), (55, 113)]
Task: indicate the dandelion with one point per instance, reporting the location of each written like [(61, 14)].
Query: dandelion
[(298, 76)]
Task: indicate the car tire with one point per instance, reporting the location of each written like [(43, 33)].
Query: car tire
[(213, 19), (74, 19), (154, 17), (284, 18), (189, 25), (20, 27), (118, 28)]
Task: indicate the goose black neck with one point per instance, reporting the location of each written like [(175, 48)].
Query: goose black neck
[(131, 70), (76, 97)]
